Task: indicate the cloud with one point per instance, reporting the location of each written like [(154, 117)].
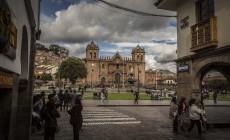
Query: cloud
[(113, 30)]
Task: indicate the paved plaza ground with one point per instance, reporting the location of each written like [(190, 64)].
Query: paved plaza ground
[(121, 120)]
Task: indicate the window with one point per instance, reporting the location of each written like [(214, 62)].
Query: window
[(117, 66), (141, 57), (103, 66), (95, 55), (91, 55), (205, 9)]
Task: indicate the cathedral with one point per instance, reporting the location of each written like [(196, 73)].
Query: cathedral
[(116, 70)]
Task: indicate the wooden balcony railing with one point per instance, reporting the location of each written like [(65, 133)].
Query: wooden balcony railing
[(204, 35)]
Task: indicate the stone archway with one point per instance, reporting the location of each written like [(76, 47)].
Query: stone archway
[(200, 68), (218, 63), (103, 80)]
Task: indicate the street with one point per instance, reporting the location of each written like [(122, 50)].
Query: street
[(131, 123)]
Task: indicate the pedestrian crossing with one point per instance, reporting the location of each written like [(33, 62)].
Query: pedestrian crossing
[(103, 116)]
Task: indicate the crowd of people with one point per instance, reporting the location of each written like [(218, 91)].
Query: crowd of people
[(196, 113), (48, 112)]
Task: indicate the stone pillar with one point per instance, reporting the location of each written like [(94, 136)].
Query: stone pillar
[(23, 111), (25, 93)]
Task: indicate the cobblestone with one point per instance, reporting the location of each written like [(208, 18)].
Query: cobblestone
[(135, 123)]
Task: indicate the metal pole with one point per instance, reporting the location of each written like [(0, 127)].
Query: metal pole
[(138, 82), (156, 80), (123, 73), (161, 83)]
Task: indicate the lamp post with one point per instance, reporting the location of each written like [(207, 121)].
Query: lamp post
[(123, 73), (156, 79), (138, 82), (92, 76), (161, 81)]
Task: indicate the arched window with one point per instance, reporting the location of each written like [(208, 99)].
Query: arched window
[(137, 57), (91, 55), (141, 57), (95, 55), (117, 66)]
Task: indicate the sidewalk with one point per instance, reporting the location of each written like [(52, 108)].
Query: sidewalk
[(145, 103)]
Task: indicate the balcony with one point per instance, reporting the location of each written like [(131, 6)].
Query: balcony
[(204, 35)]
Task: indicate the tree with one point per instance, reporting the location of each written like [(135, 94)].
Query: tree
[(72, 69), (46, 77)]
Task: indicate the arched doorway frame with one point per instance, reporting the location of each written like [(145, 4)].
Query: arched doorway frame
[(117, 78), (24, 54), (218, 63), (103, 80)]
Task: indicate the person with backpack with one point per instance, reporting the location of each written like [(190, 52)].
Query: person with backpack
[(76, 118)]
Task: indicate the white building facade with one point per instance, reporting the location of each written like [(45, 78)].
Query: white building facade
[(19, 26), (203, 41)]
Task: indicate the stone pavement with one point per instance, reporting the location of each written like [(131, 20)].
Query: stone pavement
[(145, 103), (129, 122)]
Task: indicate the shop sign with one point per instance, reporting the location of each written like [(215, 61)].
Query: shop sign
[(6, 80), (8, 32), (184, 22), (183, 68)]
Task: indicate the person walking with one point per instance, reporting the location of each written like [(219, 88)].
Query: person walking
[(136, 94), (181, 113), (50, 116), (194, 115), (102, 97), (215, 96), (202, 117), (66, 100), (61, 99), (76, 118), (173, 114), (73, 98)]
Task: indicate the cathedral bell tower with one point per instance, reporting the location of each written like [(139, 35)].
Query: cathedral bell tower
[(92, 63), (138, 60), (92, 51)]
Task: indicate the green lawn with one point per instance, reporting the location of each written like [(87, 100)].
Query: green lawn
[(118, 96), (221, 98)]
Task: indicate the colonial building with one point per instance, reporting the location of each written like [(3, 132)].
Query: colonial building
[(19, 30), (47, 62), (114, 70), (203, 41)]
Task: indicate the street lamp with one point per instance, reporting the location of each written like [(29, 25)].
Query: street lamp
[(138, 82), (92, 75), (156, 79), (161, 81)]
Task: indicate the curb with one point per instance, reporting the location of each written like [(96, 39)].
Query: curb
[(155, 105)]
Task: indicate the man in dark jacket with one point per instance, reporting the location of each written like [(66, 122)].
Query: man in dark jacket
[(50, 116), (76, 117), (61, 99)]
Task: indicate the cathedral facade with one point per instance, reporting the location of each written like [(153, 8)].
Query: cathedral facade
[(116, 70)]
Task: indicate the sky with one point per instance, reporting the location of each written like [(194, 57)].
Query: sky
[(75, 23)]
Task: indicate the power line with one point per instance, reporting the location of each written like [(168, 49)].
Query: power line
[(121, 13), (133, 11)]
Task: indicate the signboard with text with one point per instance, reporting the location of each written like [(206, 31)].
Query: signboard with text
[(6, 80), (183, 68)]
